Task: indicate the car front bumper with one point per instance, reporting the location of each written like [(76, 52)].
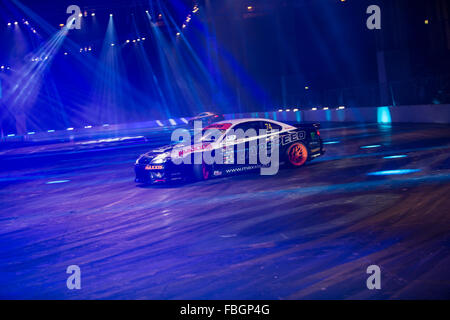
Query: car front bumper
[(150, 173)]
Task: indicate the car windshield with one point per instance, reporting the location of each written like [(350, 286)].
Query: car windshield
[(208, 135)]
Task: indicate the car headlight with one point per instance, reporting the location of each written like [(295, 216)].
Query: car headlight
[(161, 158), (157, 161)]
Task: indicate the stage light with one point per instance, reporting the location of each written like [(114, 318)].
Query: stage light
[(69, 129), (26, 22), (146, 11), (306, 88), (178, 34), (281, 110), (383, 115), (87, 127), (143, 39), (326, 108), (11, 135), (371, 146), (31, 132), (57, 181), (195, 9), (65, 53), (106, 125), (160, 16), (85, 13), (138, 39), (249, 8), (314, 109), (51, 130), (9, 24), (341, 108), (183, 26), (110, 14), (393, 172), (134, 40), (2, 67), (92, 14), (61, 25), (16, 23), (288, 110), (112, 44), (426, 21), (80, 15), (396, 157)]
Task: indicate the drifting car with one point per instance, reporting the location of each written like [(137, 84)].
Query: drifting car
[(296, 144), (206, 118)]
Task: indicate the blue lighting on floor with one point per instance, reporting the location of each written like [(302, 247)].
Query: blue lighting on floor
[(371, 146), (393, 172), (331, 142), (57, 181), (396, 157)]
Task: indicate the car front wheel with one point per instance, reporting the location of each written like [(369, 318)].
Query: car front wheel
[(202, 171)]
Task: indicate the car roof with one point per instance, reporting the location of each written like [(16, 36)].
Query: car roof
[(243, 120)]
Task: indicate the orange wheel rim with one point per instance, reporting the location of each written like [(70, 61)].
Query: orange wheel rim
[(298, 154)]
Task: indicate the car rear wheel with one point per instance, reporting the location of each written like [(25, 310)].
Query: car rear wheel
[(297, 154)]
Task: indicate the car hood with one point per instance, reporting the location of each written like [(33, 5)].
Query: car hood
[(186, 148)]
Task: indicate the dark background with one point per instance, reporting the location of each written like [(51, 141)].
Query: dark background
[(229, 59)]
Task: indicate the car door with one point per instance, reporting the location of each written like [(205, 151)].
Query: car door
[(246, 144), (271, 137)]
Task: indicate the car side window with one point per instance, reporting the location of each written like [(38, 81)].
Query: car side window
[(258, 125), (247, 126)]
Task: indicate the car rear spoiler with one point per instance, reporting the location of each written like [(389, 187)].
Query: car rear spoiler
[(301, 125)]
